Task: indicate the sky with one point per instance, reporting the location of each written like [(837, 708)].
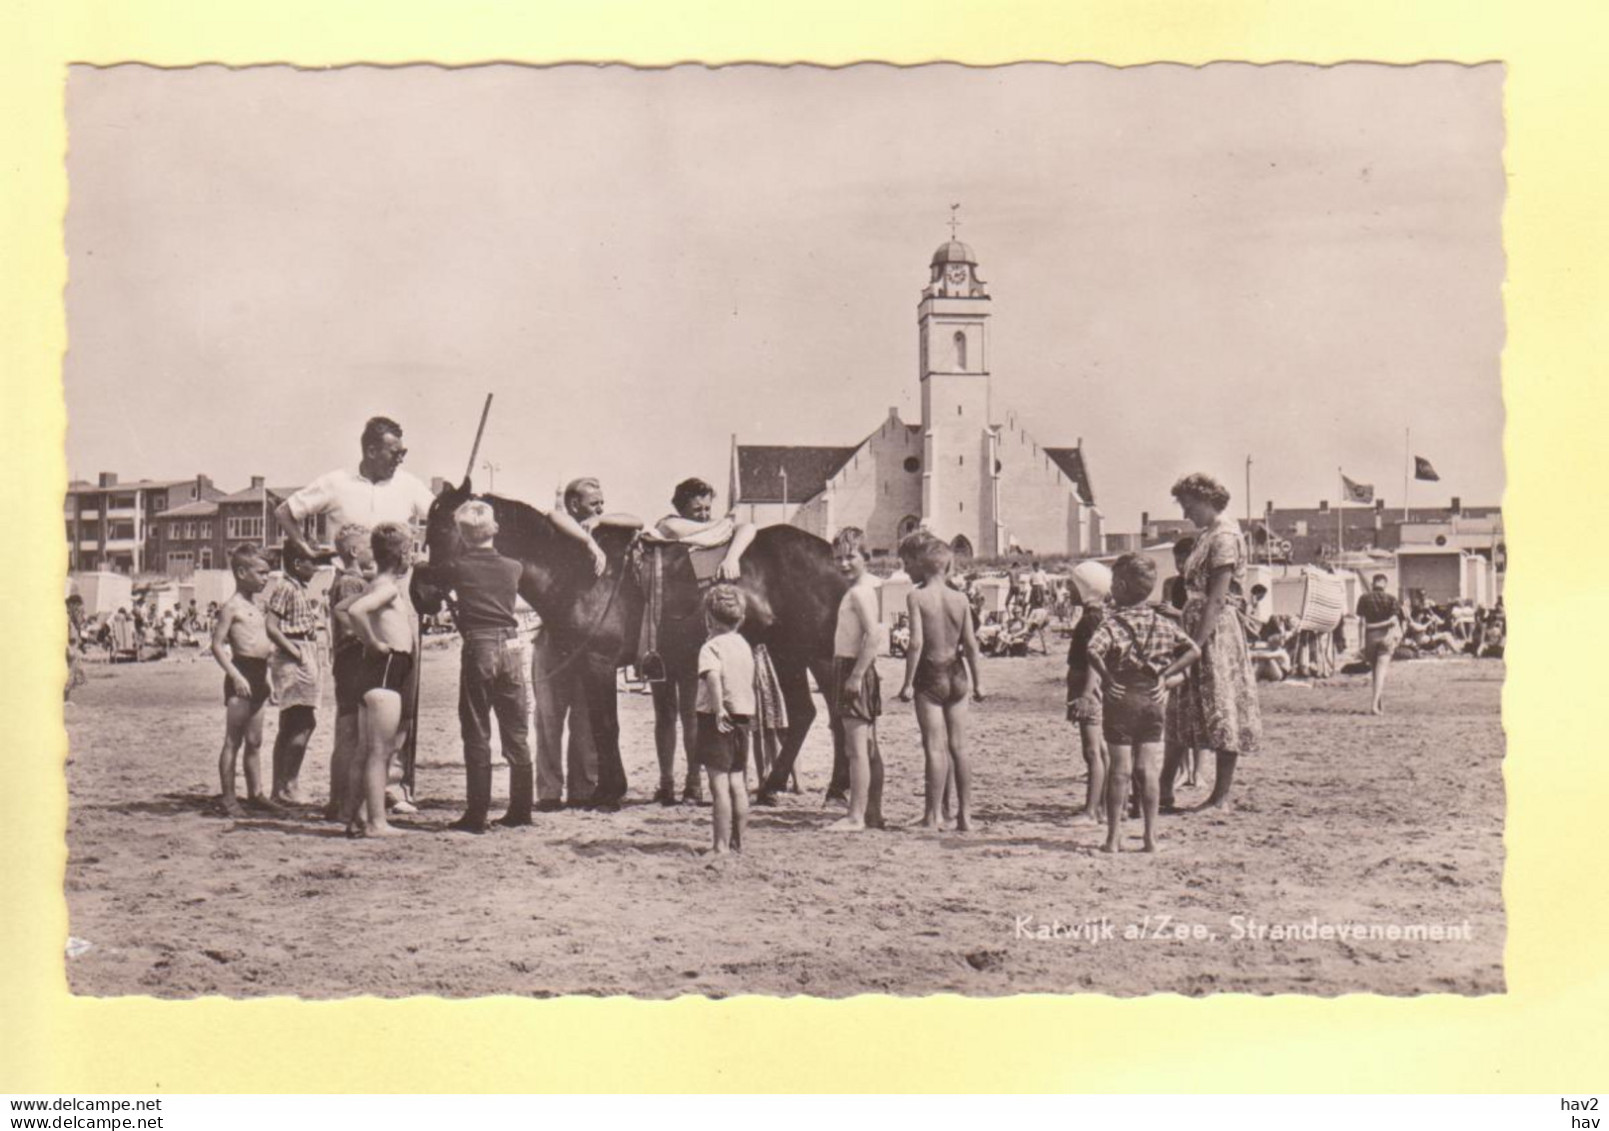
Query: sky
[(1188, 266)]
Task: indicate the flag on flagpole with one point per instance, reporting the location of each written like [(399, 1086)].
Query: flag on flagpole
[(1358, 492), (1423, 470)]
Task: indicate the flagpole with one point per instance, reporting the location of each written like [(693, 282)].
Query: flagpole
[(1248, 501), (1407, 465), (1340, 531), (1248, 492)]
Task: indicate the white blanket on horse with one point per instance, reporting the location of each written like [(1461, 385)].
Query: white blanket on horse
[(706, 548), (717, 533)]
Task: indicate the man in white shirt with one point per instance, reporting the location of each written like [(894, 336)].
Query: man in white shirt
[(378, 491)]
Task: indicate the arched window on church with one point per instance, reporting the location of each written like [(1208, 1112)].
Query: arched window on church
[(960, 349), (908, 526), (961, 546)]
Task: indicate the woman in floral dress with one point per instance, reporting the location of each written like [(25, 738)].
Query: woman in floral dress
[(1216, 707)]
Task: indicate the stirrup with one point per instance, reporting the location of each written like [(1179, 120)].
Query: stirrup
[(652, 668)]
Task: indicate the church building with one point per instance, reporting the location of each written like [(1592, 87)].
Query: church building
[(976, 479)]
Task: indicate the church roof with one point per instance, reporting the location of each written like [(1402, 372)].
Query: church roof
[(953, 251), (760, 468), (1071, 462)]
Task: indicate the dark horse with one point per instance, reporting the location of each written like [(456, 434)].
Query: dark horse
[(790, 582)]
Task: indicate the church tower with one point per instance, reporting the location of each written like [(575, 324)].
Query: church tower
[(959, 485)]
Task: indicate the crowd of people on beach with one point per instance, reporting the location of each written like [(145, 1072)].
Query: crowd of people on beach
[(1152, 685), (139, 630), (1148, 684), (1031, 602), (1424, 630)]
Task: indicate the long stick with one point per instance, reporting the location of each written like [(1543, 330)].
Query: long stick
[(479, 432), (410, 744)]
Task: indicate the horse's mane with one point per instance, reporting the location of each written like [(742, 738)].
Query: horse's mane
[(529, 534), (785, 540), (521, 528)]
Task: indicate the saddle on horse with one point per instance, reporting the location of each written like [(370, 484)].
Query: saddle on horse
[(674, 577)]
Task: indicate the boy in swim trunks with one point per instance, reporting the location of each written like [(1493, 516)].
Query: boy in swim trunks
[(244, 661), (942, 654), (855, 688), (382, 618), (346, 662), (725, 705), (1135, 657)]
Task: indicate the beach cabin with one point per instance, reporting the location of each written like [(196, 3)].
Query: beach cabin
[(207, 586), (103, 592), (1447, 573), (891, 595)]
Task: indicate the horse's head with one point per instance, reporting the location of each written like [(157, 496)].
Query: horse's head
[(441, 532), (443, 544)]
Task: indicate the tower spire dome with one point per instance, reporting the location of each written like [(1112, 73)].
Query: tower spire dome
[(953, 270), (953, 251)]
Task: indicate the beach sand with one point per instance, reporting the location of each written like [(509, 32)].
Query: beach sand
[(1341, 819)]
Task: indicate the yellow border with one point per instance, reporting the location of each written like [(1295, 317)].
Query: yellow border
[(1547, 1034)]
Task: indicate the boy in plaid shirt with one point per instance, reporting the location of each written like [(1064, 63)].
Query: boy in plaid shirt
[(293, 622), (1135, 657)]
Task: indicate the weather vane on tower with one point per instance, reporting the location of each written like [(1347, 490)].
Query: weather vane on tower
[(955, 221)]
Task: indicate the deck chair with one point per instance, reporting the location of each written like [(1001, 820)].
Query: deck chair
[(1323, 602), (1323, 606)]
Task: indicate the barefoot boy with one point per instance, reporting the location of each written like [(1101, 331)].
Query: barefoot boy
[(382, 617), (244, 661), (854, 684), (725, 705), (942, 653), (346, 662), (1382, 633), (1135, 657), (1091, 587)]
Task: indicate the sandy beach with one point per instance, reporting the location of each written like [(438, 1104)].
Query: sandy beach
[(1374, 824)]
